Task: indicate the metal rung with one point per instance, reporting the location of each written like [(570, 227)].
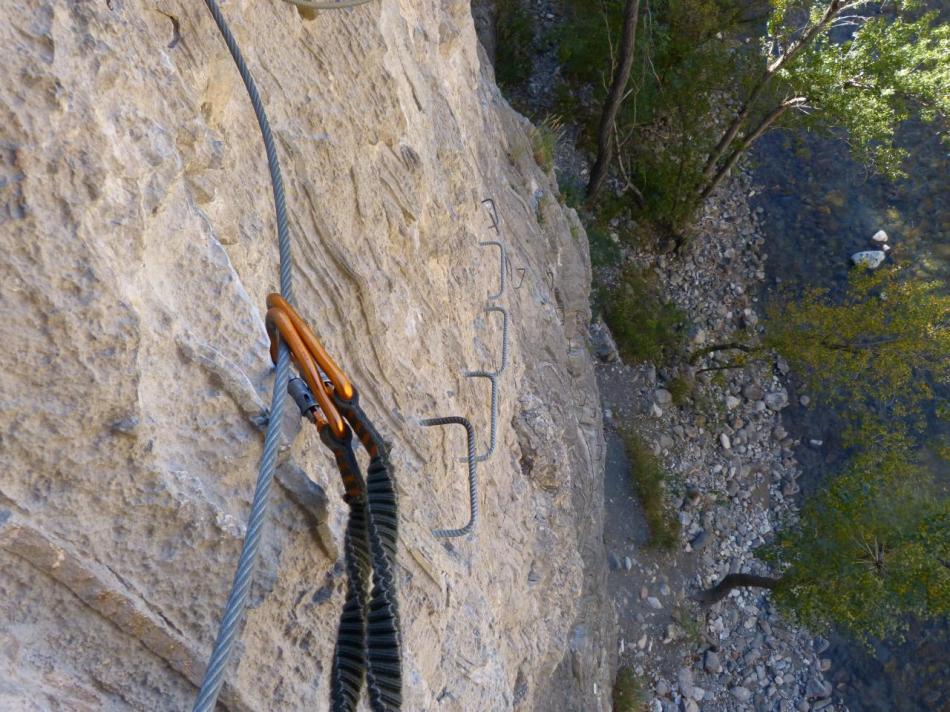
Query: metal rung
[(472, 474)]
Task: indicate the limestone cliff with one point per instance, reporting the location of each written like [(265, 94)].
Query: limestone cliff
[(138, 245)]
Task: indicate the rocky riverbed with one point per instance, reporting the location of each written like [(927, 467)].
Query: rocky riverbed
[(733, 478), (731, 465), (732, 470)]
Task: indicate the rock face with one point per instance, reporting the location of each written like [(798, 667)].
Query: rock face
[(138, 245)]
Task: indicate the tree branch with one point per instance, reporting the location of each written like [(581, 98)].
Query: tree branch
[(858, 346), (724, 367), (743, 146), (731, 581), (834, 8), (614, 98), (727, 346)]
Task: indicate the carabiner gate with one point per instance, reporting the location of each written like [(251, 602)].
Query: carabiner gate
[(283, 322)]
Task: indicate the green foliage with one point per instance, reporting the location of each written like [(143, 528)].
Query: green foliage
[(544, 138), (645, 327), (514, 43), (603, 250), (572, 190), (873, 547), (870, 550), (681, 68), (690, 622), (648, 478), (630, 694), (697, 64), (870, 82), (680, 388), (860, 70), (583, 42), (875, 353)]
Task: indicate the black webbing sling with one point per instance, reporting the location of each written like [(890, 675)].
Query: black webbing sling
[(368, 644)]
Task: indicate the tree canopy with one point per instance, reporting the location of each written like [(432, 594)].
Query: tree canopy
[(855, 67), (861, 66), (865, 72), (877, 352), (869, 550)]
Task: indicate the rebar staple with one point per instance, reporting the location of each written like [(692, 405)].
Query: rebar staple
[(492, 377), (492, 214), (472, 474), (501, 271), (504, 336), (493, 425)]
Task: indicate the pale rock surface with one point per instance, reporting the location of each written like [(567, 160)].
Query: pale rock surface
[(138, 245), (871, 259), (777, 399)]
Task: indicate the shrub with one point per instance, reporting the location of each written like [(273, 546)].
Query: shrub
[(629, 691), (544, 138), (603, 250), (680, 388), (571, 189), (644, 325), (649, 480)]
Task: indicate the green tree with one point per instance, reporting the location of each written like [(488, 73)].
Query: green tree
[(514, 43), (855, 67), (867, 552), (657, 127), (866, 82), (872, 547), (877, 352)]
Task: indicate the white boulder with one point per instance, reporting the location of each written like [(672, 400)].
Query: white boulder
[(880, 237), (871, 259), (777, 400)]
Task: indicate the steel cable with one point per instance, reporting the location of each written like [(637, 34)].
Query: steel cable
[(277, 183), (237, 599)]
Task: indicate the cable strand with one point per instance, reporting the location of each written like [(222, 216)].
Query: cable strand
[(237, 600), (243, 576), (273, 165)]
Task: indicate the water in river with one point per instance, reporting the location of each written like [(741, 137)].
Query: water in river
[(819, 207)]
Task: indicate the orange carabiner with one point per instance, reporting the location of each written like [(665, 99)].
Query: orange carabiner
[(283, 322)]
